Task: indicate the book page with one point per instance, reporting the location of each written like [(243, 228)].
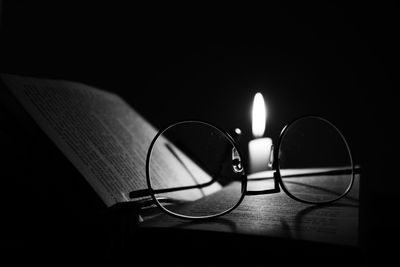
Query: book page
[(276, 215), (105, 139)]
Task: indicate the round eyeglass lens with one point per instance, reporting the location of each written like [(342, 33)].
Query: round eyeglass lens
[(315, 162), (195, 170)]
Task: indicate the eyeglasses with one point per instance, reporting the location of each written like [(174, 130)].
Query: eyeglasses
[(195, 170)]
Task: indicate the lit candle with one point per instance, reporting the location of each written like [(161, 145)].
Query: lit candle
[(260, 147)]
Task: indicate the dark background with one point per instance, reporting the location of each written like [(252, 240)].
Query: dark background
[(173, 62)]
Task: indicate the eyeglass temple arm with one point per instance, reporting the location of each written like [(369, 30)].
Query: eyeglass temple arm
[(356, 170), (149, 191)]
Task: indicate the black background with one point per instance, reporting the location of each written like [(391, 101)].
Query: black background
[(173, 62)]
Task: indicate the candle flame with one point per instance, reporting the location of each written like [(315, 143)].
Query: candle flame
[(259, 115)]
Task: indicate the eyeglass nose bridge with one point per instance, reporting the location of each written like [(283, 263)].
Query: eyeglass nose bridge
[(276, 188)]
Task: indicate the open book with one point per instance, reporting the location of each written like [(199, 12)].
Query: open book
[(100, 134), (107, 141)]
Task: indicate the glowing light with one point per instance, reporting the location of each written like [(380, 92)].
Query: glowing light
[(259, 115)]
